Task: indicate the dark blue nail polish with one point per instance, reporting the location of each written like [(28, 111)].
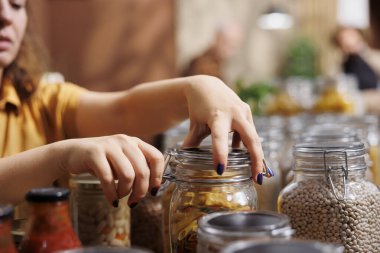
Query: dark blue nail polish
[(132, 205), (154, 191), (115, 203), (260, 178), (270, 171), (220, 169)]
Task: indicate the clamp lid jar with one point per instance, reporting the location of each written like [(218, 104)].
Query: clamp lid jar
[(200, 190)]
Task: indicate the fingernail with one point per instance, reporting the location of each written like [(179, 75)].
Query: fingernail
[(260, 178), (270, 171), (220, 169), (154, 191), (132, 205), (115, 203)]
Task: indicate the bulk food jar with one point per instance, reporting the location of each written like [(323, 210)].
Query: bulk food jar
[(6, 241), (217, 230), (95, 220), (292, 246), (49, 227), (199, 190), (330, 199)]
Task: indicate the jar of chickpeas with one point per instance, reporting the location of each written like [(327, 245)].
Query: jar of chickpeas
[(95, 220), (200, 190)]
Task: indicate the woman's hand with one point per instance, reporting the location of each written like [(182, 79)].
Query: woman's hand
[(136, 165), (214, 108)]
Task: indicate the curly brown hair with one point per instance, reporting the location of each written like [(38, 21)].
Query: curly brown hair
[(30, 63)]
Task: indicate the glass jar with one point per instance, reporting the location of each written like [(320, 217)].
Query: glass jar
[(217, 230), (146, 220), (267, 193), (95, 220), (330, 199), (49, 227), (6, 241), (292, 246), (199, 190)]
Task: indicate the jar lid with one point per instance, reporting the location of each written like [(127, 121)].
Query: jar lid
[(50, 194), (238, 224), (320, 149), (203, 155), (6, 211), (103, 249), (197, 165), (291, 246)]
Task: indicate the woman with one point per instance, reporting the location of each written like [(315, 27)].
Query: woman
[(62, 126)]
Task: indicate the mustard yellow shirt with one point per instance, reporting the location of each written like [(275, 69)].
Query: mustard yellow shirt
[(47, 116)]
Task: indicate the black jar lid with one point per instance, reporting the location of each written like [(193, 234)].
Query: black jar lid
[(104, 249), (292, 246), (6, 211), (50, 194)]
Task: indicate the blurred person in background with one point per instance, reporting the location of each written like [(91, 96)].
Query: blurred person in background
[(228, 37), (359, 59), (49, 130)]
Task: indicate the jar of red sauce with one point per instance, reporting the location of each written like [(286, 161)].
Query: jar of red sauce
[(6, 240), (49, 227)]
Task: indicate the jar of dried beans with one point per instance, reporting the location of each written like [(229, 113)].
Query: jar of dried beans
[(200, 190), (330, 199)]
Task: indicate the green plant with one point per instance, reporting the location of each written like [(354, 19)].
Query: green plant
[(301, 59)]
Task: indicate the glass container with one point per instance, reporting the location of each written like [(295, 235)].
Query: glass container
[(217, 230), (95, 220), (49, 227), (6, 240), (330, 200), (291, 246), (199, 190)]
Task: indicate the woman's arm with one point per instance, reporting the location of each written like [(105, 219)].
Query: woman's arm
[(151, 108), (136, 165)]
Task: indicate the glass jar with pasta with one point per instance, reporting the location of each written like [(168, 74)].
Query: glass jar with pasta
[(199, 190)]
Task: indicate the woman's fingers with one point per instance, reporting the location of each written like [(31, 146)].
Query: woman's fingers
[(251, 140), (102, 169), (156, 164), (196, 134), (219, 134), (124, 172)]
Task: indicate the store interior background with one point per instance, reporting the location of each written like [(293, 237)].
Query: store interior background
[(114, 45)]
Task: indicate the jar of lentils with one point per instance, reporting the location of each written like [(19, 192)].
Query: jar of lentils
[(95, 220), (330, 200), (199, 190), (217, 230)]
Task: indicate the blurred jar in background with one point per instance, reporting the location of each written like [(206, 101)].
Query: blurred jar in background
[(95, 220), (272, 141), (217, 230), (200, 190), (6, 240), (339, 95), (49, 227)]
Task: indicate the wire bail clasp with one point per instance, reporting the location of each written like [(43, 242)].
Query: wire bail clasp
[(329, 169)]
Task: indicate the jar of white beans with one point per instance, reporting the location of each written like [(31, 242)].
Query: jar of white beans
[(95, 220)]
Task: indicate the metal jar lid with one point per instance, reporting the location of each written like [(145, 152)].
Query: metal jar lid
[(197, 165), (245, 224), (285, 246), (6, 211)]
